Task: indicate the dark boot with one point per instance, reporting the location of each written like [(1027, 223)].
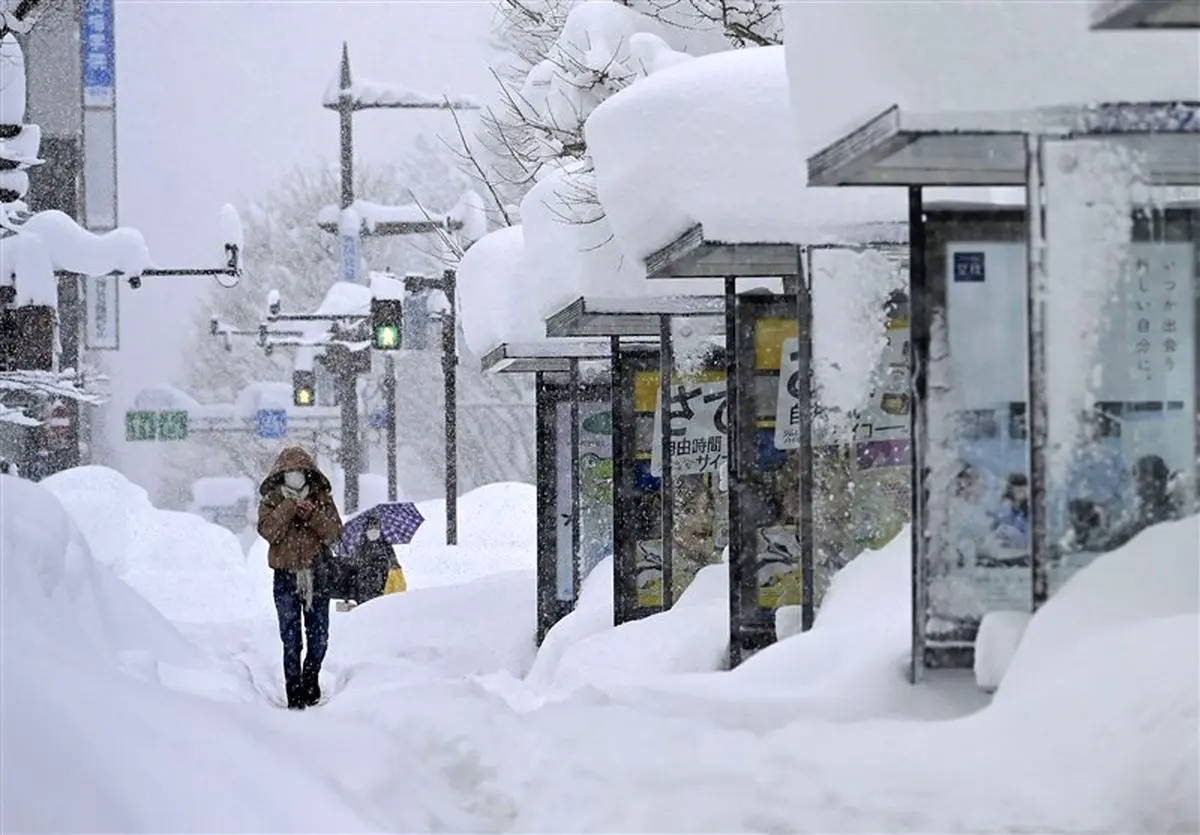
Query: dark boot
[(310, 688), (296, 694)]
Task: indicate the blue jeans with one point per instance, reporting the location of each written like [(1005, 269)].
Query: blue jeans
[(289, 606)]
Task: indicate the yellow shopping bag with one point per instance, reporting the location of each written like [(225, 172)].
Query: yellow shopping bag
[(395, 581)]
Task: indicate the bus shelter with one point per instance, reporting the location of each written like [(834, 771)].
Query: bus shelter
[(1053, 348), (574, 463), (777, 562), (648, 428)]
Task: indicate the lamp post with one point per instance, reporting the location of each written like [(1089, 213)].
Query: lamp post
[(346, 99)]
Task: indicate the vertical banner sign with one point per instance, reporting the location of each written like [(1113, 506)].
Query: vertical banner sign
[(101, 306), (349, 257), (98, 66), (99, 54)]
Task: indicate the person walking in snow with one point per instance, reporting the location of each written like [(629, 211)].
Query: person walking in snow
[(299, 521), (373, 559)]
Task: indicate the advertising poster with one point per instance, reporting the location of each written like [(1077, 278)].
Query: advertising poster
[(775, 484), (595, 484), (1135, 439), (564, 500), (647, 514)]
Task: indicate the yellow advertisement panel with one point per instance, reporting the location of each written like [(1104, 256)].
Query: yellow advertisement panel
[(769, 335)]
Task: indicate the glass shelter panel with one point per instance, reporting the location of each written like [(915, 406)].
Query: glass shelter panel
[(555, 557), (699, 483), (1120, 353), (1120, 347), (881, 470), (766, 572), (977, 557), (595, 460), (637, 538)]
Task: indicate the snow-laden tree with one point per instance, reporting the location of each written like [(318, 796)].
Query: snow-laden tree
[(286, 251), (557, 60)]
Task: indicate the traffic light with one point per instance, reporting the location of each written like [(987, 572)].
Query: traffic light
[(304, 388), (387, 321)]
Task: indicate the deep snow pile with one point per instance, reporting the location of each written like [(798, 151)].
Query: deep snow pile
[(80, 725), (712, 141), (190, 569), (492, 283)]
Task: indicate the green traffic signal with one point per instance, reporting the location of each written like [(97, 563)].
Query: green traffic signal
[(387, 337)]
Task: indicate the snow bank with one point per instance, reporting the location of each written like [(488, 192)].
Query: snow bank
[(1156, 575), (690, 637), (592, 615), (479, 626), (847, 62), (497, 533), (711, 141), (189, 569), (77, 725)]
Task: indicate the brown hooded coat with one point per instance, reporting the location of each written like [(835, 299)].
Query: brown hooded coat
[(295, 542)]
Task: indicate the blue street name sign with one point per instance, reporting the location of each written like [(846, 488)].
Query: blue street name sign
[(98, 53), (272, 423)]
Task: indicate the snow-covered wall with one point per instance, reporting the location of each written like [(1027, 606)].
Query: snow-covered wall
[(849, 61)]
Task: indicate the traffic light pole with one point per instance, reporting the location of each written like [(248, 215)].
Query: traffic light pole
[(450, 381), (389, 393)]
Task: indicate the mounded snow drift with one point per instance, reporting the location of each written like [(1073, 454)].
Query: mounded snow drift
[(88, 746), (189, 569), (493, 287), (430, 725)]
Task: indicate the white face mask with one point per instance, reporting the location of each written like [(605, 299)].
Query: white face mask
[(372, 534), (295, 479)]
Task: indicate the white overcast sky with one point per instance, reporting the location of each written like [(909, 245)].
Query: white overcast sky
[(217, 99)]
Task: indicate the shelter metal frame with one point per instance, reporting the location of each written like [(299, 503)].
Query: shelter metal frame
[(555, 366), (639, 333), (994, 150)]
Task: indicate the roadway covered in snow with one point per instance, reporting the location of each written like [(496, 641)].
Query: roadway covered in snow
[(145, 639)]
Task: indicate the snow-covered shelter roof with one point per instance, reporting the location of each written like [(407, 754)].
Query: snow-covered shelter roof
[(497, 293), (712, 142), (848, 62)]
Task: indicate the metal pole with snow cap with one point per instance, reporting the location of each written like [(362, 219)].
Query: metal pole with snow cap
[(355, 219)]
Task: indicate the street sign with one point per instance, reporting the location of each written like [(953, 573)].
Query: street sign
[(172, 426), (101, 298), (141, 426), (272, 423), (98, 53)]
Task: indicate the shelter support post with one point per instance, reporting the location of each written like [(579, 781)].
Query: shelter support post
[(804, 398), (666, 362), (732, 408), (575, 390), (1037, 408), (918, 362)]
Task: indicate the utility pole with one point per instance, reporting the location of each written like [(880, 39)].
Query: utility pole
[(350, 230)]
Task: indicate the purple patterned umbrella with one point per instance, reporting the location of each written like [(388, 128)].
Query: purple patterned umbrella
[(398, 522)]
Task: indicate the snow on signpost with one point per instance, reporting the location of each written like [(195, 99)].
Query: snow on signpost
[(698, 427)]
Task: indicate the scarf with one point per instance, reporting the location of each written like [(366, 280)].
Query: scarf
[(304, 576)]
